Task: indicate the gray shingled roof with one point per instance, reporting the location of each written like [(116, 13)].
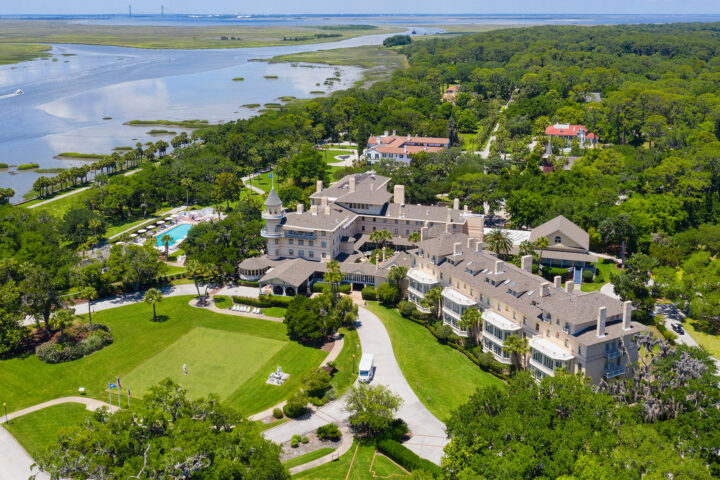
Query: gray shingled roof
[(293, 272), (273, 199), (320, 221), (424, 213), (564, 225), (367, 181)]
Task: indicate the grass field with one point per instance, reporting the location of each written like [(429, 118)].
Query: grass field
[(347, 362), (277, 312), (360, 468), (172, 37), (708, 341), (19, 52), (38, 430), (216, 360), (605, 269), (26, 381), (60, 206), (308, 457), (448, 380)]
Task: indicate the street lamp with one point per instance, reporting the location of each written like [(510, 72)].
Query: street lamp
[(353, 363), (5, 407)]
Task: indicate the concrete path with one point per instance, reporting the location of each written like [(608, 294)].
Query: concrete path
[(227, 311), (15, 462), (45, 202), (246, 181), (345, 443), (428, 433)]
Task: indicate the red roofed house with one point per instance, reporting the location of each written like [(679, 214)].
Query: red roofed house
[(400, 148), (570, 132), (451, 93)]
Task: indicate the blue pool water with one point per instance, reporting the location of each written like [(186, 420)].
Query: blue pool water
[(178, 234)]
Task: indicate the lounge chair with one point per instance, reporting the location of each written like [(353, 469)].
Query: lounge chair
[(257, 310)]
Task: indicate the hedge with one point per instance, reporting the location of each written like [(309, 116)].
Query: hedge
[(368, 293), (405, 457), (264, 301), (318, 287)]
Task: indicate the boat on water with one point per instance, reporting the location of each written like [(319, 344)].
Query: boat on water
[(18, 92)]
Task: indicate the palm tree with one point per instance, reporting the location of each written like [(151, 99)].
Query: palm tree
[(90, 294), (526, 247), (333, 276), (517, 347), (187, 183), (433, 300), (471, 321), (414, 237), (197, 270), (499, 241), (62, 319), (541, 243), (167, 240), (397, 274), (380, 237), (153, 296)]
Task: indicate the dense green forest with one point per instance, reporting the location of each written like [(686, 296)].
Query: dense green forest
[(650, 191)]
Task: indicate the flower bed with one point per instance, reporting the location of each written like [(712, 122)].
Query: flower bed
[(75, 343)]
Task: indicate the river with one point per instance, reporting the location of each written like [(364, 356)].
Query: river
[(79, 100)]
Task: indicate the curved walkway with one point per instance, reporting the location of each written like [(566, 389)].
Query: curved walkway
[(428, 433), (15, 462)]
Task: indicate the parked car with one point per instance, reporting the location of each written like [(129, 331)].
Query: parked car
[(678, 328), (366, 369)]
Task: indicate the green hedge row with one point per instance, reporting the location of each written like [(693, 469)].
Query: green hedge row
[(406, 457), (318, 287), (264, 301), (368, 293)]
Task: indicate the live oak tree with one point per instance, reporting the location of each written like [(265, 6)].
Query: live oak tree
[(227, 187), (372, 408), (189, 439)]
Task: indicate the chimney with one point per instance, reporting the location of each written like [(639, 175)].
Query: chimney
[(409, 137), (351, 186), (394, 132), (498, 266), (318, 189), (471, 243), (558, 281), (386, 133), (602, 312), (300, 207), (478, 246), (526, 263), (399, 194), (456, 248), (313, 209), (627, 315), (570, 287), (465, 209), (544, 289), (323, 201), (456, 204), (447, 227), (327, 209), (424, 233), (384, 251)]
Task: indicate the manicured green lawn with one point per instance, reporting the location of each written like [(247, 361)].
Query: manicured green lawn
[(36, 431), (59, 207), (262, 181), (331, 154), (308, 457), (605, 269), (347, 362), (341, 468), (175, 269), (708, 341), (277, 312), (222, 301), (26, 381), (217, 361), (442, 378), (383, 467)]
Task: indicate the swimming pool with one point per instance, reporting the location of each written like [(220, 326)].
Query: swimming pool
[(178, 233)]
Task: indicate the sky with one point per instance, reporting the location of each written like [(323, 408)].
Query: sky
[(11, 7)]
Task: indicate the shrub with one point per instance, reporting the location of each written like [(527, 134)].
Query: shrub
[(315, 383), (329, 432), (406, 458), (444, 332), (388, 294), (407, 309), (304, 439), (587, 276), (552, 272), (77, 342), (397, 430), (319, 287), (277, 413), (487, 362), (368, 293), (264, 301), (660, 325), (295, 441), (296, 405)]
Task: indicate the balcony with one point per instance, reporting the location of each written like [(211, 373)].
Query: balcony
[(268, 234), (611, 354), (301, 235), (270, 216), (614, 372)]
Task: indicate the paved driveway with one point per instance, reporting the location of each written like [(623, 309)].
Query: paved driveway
[(428, 433)]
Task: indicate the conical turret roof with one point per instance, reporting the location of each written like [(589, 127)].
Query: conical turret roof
[(273, 199)]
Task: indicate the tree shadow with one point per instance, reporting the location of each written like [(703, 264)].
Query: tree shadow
[(160, 319)]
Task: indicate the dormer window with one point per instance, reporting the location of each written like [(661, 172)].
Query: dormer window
[(558, 239)]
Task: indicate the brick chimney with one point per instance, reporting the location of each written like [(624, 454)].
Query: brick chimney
[(602, 312), (300, 207), (456, 204), (399, 194), (526, 263), (498, 266), (570, 287), (319, 186), (544, 289), (558, 281), (351, 183), (424, 233), (627, 315), (456, 248)]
